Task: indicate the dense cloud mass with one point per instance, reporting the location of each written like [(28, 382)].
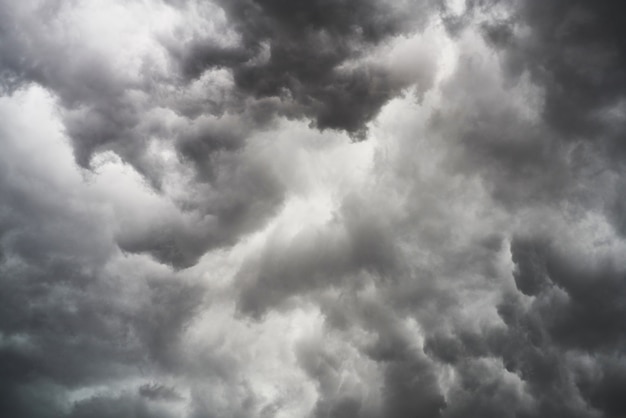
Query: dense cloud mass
[(328, 208)]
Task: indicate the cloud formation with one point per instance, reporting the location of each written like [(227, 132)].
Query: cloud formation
[(265, 208)]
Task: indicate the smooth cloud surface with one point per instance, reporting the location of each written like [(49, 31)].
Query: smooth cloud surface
[(356, 208)]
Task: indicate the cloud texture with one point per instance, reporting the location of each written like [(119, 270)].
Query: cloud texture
[(351, 208)]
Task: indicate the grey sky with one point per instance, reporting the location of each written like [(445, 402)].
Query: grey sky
[(272, 208)]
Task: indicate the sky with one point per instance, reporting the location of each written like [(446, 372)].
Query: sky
[(312, 208)]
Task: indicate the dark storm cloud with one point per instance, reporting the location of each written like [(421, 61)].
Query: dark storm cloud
[(241, 197), (577, 50), (356, 241), (407, 380), (557, 354), (563, 346), (540, 127), (295, 51), (579, 311), (65, 322), (521, 159), (563, 337), (84, 82), (592, 316), (118, 406), (104, 109), (478, 271), (158, 391), (62, 331), (310, 71), (410, 378), (403, 287)]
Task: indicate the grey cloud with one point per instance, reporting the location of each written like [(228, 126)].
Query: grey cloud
[(539, 123), (410, 386), (543, 340), (231, 194), (555, 161), (590, 318), (575, 51), (105, 110), (157, 391), (82, 333), (85, 84), (308, 44), (355, 241), (405, 382), (66, 320), (520, 159), (484, 390), (527, 365), (477, 271), (116, 406)]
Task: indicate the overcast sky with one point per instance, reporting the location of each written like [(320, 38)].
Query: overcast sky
[(312, 208)]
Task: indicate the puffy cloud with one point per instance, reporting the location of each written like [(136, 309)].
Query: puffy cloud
[(188, 228), (298, 53)]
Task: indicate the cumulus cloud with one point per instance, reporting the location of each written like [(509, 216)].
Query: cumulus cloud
[(264, 208)]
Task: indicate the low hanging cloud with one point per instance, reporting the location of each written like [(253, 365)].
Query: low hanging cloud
[(299, 54), (264, 208)]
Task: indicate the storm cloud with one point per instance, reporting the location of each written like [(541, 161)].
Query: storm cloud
[(354, 208)]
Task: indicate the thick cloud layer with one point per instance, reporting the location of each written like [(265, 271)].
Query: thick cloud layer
[(263, 208), (302, 54)]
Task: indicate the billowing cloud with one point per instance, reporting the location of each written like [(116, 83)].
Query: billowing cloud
[(264, 208)]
